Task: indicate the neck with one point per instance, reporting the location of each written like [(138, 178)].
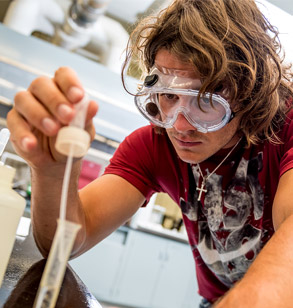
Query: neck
[(225, 158)]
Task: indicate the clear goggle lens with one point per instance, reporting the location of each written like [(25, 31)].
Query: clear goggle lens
[(208, 113)]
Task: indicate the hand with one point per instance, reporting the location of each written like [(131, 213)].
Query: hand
[(41, 111)]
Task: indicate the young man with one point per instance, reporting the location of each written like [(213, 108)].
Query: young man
[(220, 144)]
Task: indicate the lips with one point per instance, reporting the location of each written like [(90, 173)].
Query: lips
[(187, 143)]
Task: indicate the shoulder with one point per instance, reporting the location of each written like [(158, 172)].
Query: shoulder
[(286, 131), (283, 127), (143, 147), (142, 133), (282, 152), (146, 139)]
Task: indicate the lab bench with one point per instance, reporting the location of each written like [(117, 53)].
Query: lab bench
[(23, 276), (130, 268)]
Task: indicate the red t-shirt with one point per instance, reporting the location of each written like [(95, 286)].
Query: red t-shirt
[(233, 220)]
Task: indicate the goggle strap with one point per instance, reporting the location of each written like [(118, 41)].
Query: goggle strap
[(232, 116)]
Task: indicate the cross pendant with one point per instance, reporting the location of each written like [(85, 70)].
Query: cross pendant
[(201, 189)]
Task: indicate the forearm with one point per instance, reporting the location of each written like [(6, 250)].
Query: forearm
[(269, 280), (45, 204)]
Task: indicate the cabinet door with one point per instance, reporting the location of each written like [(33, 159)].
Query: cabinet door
[(139, 277), (192, 298), (99, 267), (174, 279)]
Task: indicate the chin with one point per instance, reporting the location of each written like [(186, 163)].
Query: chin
[(189, 157)]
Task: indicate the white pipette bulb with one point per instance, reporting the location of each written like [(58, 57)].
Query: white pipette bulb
[(73, 139), (4, 137)]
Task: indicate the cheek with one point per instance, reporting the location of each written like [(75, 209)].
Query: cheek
[(224, 135), (234, 125)]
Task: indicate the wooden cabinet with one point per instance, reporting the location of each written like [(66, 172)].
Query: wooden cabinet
[(140, 270)]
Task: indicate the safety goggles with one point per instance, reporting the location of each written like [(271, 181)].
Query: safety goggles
[(163, 96)]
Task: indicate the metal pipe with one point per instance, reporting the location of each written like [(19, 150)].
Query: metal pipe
[(86, 12), (77, 29)]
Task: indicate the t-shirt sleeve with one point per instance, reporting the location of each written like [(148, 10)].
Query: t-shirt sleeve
[(134, 161), (286, 162)]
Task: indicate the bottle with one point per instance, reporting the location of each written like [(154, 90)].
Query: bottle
[(11, 209)]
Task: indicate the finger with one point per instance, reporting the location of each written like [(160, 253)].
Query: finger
[(36, 114), (47, 92), (69, 84), (91, 130), (20, 133), (92, 110)]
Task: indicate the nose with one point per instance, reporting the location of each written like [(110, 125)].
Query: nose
[(182, 124)]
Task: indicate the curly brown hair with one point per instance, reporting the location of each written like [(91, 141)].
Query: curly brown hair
[(231, 44)]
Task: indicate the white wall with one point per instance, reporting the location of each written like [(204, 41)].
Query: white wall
[(284, 22)]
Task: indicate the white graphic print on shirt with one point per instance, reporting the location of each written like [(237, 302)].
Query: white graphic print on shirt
[(228, 234)]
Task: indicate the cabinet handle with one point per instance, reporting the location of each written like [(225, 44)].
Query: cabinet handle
[(118, 236)]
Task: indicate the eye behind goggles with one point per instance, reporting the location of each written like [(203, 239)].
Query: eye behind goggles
[(206, 112)]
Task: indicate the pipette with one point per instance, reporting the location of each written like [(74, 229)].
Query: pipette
[(72, 141)]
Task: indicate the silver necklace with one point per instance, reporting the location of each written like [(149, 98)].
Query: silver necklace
[(202, 189)]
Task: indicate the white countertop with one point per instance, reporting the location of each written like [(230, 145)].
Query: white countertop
[(161, 231)]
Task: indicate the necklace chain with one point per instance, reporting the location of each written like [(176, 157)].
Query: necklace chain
[(202, 189)]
